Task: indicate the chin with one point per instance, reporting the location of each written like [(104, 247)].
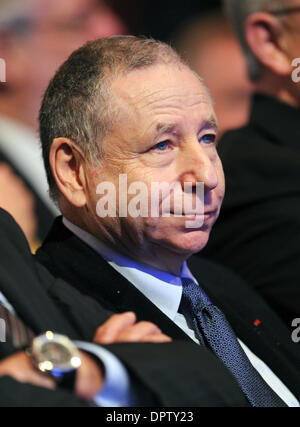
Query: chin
[(190, 243)]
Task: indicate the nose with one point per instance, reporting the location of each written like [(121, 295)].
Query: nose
[(199, 166)]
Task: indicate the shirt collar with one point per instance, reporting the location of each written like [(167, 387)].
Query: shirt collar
[(162, 288)]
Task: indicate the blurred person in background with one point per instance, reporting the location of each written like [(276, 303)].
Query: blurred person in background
[(206, 43), (18, 200), (259, 227), (35, 38)]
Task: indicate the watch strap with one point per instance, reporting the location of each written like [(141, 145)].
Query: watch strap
[(66, 380)]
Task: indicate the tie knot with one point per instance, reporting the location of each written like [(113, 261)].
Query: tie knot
[(193, 296)]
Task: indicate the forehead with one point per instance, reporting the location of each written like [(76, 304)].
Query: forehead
[(160, 90)]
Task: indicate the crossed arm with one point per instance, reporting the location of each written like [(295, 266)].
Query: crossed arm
[(90, 377)]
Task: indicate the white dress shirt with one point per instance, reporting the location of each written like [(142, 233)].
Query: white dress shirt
[(165, 290)]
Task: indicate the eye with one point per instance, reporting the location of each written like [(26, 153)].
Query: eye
[(208, 138), (161, 146)]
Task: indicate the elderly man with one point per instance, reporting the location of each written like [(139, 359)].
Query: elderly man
[(258, 232), (122, 116)]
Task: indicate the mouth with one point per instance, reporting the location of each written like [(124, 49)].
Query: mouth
[(197, 221), (210, 214), (206, 215)]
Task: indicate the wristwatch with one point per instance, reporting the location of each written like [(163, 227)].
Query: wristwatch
[(57, 356)]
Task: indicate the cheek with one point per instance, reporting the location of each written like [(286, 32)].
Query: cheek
[(221, 180), (96, 189), (152, 224), (176, 237), (92, 183), (159, 230)]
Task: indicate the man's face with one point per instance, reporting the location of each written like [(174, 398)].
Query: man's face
[(165, 132)]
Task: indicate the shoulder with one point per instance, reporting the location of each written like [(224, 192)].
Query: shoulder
[(229, 290), (240, 303), (216, 274)]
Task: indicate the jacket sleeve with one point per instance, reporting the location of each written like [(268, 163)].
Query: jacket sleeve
[(15, 394)]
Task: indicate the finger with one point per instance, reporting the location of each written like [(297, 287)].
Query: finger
[(31, 377), (21, 368), (39, 379), (157, 338), (137, 332), (108, 332)]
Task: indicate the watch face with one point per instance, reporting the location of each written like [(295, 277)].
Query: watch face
[(55, 353)]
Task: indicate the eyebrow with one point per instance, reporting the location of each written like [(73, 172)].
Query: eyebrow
[(210, 123), (165, 127)]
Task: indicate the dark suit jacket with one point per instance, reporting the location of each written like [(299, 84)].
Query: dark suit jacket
[(43, 214), (67, 256), (163, 374), (258, 232)]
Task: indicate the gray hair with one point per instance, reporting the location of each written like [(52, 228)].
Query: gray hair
[(238, 11), (78, 102)]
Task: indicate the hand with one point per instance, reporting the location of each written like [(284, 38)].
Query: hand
[(123, 328), (19, 367), (17, 200), (89, 377)]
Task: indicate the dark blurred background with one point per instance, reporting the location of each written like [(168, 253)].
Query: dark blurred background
[(159, 18)]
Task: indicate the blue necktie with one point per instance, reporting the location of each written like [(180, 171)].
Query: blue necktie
[(213, 330)]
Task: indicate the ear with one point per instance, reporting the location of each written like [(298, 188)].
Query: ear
[(67, 165), (264, 35)]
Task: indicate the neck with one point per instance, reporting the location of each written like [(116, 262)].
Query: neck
[(153, 255), (163, 259), (283, 89)]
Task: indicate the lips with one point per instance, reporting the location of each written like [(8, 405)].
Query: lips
[(193, 214), (211, 213)]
